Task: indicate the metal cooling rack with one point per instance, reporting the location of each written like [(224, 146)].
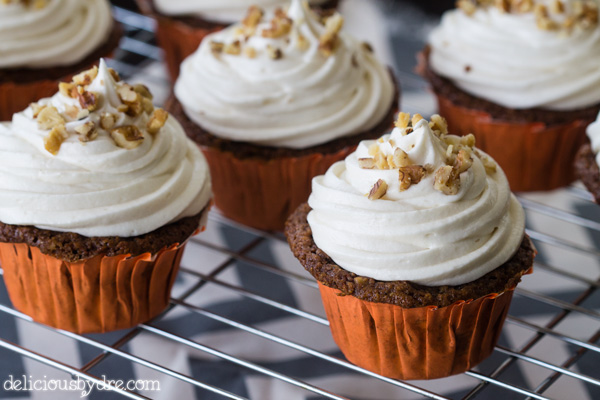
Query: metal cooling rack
[(555, 223)]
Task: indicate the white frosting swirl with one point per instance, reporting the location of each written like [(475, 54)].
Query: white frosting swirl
[(593, 132), (300, 100), (225, 11), (419, 234), (62, 33), (96, 188), (507, 59)]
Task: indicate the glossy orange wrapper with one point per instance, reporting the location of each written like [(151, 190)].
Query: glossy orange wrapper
[(96, 295), (534, 156), (415, 343), (263, 193)]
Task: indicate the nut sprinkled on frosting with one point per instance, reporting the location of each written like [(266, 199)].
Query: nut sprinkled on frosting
[(35, 4), (458, 157), (556, 16), (80, 117)]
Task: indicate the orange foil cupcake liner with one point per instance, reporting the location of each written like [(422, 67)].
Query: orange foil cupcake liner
[(96, 295), (415, 343), (263, 193), (178, 40), (534, 156), (15, 97)]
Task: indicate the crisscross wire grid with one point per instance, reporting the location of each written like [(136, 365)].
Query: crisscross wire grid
[(246, 321)]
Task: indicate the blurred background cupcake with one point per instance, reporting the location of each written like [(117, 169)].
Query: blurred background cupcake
[(100, 192), (525, 77), (274, 101), (587, 161), (45, 41), (182, 24), (417, 244)]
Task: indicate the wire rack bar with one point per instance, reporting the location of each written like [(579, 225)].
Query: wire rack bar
[(558, 214)]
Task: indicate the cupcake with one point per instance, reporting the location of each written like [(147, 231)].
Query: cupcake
[(276, 100), (47, 41), (525, 77), (588, 160), (181, 25), (100, 192), (417, 244)]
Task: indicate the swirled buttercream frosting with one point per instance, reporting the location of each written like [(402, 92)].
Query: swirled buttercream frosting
[(55, 33), (226, 11), (525, 54), (593, 132), (417, 205), (284, 79), (99, 160)]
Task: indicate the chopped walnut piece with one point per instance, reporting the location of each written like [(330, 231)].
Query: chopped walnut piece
[(115, 75), (489, 165), (381, 161), (302, 43), (127, 94), (416, 172), (71, 112), (439, 124), (36, 109), (403, 120), (49, 117), (234, 48), (157, 121), (366, 163), (55, 138), (147, 105), (415, 119), (107, 121), (467, 6), (468, 140), (373, 149), (405, 180), (400, 158), (557, 7), (463, 161), (379, 190), (87, 132), (128, 136), (143, 91), (274, 53), (524, 6), (216, 47), (250, 52), (253, 17), (503, 5), (367, 47), (329, 39), (86, 77), (446, 181), (89, 100), (280, 26), (67, 89)]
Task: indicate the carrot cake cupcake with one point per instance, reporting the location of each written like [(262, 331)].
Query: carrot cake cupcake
[(276, 100), (100, 191), (525, 77), (417, 244)]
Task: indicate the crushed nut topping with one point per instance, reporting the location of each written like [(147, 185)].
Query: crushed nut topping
[(274, 53), (378, 191), (554, 16), (87, 132), (234, 48), (127, 137), (253, 17), (216, 47), (55, 138), (49, 117), (329, 40), (157, 121), (281, 25), (35, 4), (136, 100)]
